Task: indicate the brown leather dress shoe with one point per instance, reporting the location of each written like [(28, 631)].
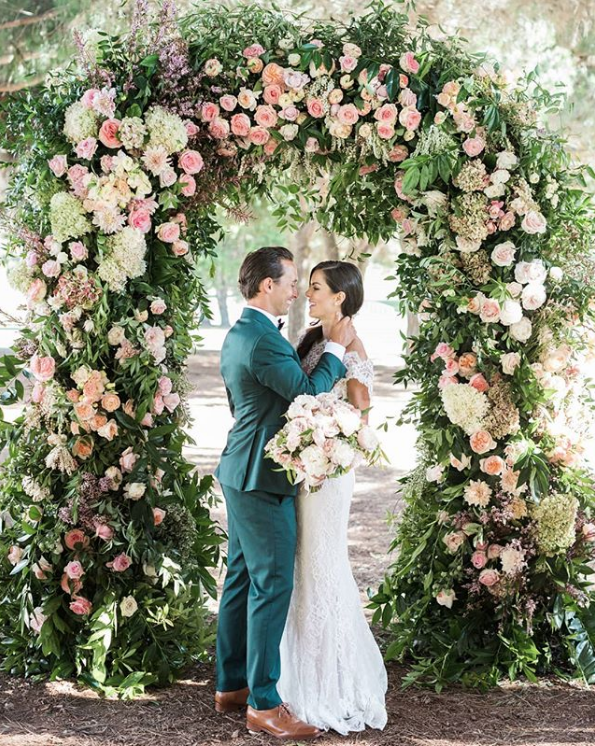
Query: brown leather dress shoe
[(231, 701), (281, 723)]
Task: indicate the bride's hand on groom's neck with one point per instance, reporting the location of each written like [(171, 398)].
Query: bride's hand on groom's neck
[(343, 332)]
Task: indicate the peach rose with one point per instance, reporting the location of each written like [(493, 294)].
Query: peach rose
[(76, 539), (255, 65), (42, 368), (83, 447), (108, 430), (398, 153), (492, 465), (467, 363), (473, 146), (240, 125), (81, 606), (179, 248), (490, 311), (108, 134), (158, 516), (482, 442), (191, 162), (258, 135), (15, 554), (128, 460), (36, 291), (479, 382), (84, 411), (273, 74)]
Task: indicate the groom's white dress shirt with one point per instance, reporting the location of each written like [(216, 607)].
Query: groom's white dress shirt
[(333, 347)]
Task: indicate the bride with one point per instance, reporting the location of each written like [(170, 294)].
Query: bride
[(332, 672)]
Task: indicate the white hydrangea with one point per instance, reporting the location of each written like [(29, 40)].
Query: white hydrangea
[(19, 276), (166, 129), (126, 259), (465, 406), (80, 122), (132, 132), (67, 217)]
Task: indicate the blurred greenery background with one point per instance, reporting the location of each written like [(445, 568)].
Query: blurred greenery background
[(556, 37)]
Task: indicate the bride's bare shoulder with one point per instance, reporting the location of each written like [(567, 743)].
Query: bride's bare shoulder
[(358, 346)]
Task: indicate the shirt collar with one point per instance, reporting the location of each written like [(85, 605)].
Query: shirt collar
[(269, 316)]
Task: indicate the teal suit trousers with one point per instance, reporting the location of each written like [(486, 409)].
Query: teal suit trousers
[(255, 601)]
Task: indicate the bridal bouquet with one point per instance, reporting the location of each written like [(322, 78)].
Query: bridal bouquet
[(323, 438)]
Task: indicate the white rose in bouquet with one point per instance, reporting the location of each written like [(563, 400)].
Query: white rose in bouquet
[(348, 420), (342, 454), (367, 438), (315, 462)]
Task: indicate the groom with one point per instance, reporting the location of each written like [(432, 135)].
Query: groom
[(262, 376)]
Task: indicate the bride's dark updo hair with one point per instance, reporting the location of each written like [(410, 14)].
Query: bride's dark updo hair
[(340, 277)]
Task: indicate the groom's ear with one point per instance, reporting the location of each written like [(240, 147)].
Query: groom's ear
[(266, 285)]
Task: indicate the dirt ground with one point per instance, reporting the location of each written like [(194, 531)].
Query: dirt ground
[(64, 714)]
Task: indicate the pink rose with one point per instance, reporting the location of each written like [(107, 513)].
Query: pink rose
[(37, 393), (348, 114), (507, 222), (311, 145), (81, 606), (58, 165), (228, 102), (158, 404), (89, 96), (191, 129), (489, 577), (348, 63), (272, 94), (398, 153), (74, 570), (168, 232), (410, 118), (315, 108), (104, 532), (51, 268), (481, 442), (171, 402), (120, 563), (219, 129), (588, 531), (208, 112), (473, 146), (240, 125), (494, 551), (140, 219), (385, 131), (386, 113), (255, 50), (365, 170), (86, 148), (43, 368), (78, 251), (290, 113), (490, 311), (451, 368), (266, 116), (407, 98), (534, 222), (128, 460), (479, 382), (503, 254), (179, 248), (478, 560), (158, 306), (188, 185), (191, 162), (108, 134), (258, 135), (443, 350), (408, 63), (446, 380), (165, 385)]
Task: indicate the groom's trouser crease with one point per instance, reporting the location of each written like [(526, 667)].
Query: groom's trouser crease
[(256, 593)]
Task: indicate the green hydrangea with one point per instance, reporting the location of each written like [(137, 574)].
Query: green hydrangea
[(556, 517), (80, 122), (166, 129), (67, 217)]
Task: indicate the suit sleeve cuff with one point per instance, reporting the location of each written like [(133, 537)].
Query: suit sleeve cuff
[(335, 349)]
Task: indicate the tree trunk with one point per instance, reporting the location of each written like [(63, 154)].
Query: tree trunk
[(222, 304), (331, 248), (300, 246)]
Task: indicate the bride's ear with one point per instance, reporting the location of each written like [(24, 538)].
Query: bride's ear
[(340, 298)]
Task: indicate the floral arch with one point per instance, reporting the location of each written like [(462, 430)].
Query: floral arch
[(106, 544)]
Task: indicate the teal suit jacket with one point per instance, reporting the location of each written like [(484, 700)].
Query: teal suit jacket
[(263, 375)]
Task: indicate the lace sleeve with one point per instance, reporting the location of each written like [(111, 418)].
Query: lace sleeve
[(360, 370)]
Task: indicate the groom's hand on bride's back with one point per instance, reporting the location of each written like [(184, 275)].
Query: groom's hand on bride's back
[(343, 332)]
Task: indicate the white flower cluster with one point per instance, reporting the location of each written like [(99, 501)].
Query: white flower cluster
[(126, 259), (80, 122), (323, 438), (67, 217), (166, 129), (465, 406)]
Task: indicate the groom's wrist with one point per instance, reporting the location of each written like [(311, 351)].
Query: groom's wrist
[(335, 349)]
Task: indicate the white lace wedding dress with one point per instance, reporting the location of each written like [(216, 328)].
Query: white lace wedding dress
[(332, 672)]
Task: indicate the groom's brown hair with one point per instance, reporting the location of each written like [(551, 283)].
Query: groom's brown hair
[(260, 264)]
